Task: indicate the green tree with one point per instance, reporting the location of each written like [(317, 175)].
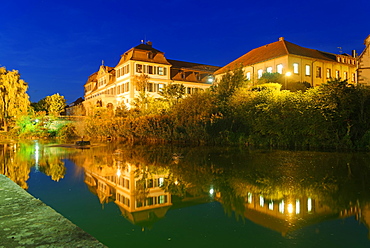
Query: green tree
[(14, 100), (141, 82), (172, 93), (229, 83), (54, 104), (268, 77)]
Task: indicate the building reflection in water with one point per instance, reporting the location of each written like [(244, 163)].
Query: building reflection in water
[(144, 192), (139, 197), (142, 199)]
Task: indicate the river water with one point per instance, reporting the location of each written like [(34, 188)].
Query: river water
[(169, 196)]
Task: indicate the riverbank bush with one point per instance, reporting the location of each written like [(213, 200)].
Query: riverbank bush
[(333, 115)]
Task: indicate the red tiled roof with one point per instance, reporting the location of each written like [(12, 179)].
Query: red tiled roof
[(274, 50)]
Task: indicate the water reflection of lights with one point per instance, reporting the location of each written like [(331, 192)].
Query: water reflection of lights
[(37, 155), (271, 205), (309, 205), (262, 201), (297, 207), (290, 208), (281, 207), (249, 197)]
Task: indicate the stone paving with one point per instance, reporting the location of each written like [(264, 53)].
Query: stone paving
[(28, 222)]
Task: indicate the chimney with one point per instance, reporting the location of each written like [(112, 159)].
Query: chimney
[(354, 54), (149, 43), (281, 38)]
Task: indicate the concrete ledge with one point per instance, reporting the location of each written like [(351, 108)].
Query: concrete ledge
[(28, 222)]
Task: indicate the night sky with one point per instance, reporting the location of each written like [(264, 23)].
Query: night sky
[(57, 44)]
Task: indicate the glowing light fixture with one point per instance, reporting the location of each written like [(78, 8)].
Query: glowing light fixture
[(211, 191), (210, 79)]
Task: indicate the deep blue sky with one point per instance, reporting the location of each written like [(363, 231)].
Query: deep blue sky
[(57, 44)]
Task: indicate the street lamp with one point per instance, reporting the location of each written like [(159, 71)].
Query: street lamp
[(288, 74)]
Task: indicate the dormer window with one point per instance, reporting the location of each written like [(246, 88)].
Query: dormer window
[(150, 55)]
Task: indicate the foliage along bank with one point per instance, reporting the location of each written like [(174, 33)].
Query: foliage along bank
[(333, 115)]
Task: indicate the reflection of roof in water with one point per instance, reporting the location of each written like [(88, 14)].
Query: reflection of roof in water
[(103, 198), (285, 226), (145, 218)]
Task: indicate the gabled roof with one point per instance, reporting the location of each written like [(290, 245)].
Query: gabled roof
[(192, 66), (274, 50)]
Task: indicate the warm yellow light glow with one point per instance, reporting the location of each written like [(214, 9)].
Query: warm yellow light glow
[(176, 182), (309, 205), (281, 207), (271, 205), (290, 208), (250, 197), (288, 74), (297, 206), (262, 201), (118, 172)]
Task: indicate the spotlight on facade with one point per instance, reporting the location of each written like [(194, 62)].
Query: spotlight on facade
[(210, 79)]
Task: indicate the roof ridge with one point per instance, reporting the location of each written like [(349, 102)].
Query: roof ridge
[(285, 45)]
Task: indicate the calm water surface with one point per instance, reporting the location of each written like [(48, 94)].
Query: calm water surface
[(161, 196)]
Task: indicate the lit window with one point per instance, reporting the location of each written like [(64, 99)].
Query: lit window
[(259, 73), (248, 76), (295, 68), (297, 206), (337, 75), (160, 181), (262, 201), (309, 205), (353, 77), (308, 70), (279, 68), (269, 69), (328, 73), (160, 87), (249, 197), (345, 75), (271, 205), (281, 207)]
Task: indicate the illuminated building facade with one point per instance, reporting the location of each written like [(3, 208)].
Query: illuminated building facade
[(114, 86), (296, 63), (364, 64)]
